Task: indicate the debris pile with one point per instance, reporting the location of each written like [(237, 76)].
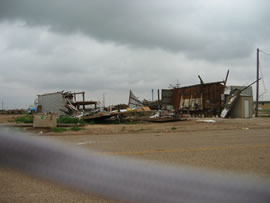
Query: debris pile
[(78, 108), (204, 100), (12, 111), (65, 103)]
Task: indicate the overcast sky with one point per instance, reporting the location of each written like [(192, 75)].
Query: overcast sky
[(111, 46)]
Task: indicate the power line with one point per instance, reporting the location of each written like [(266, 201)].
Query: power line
[(260, 68), (264, 52), (264, 86)]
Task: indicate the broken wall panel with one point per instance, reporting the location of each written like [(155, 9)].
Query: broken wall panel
[(133, 101), (52, 102), (242, 105)]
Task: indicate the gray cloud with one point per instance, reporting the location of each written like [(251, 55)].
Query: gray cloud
[(54, 62), (112, 46), (201, 29)]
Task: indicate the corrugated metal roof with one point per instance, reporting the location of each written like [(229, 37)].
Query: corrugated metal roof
[(246, 93), (205, 84)]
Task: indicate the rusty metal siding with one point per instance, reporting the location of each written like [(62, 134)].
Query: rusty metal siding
[(203, 97)]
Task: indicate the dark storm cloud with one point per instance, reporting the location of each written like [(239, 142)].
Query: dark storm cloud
[(113, 46), (212, 30)]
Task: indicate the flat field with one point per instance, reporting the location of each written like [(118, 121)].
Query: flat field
[(240, 146)]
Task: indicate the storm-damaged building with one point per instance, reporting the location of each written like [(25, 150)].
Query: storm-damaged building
[(239, 102), (202, 99), (63, 103), (210, 99)]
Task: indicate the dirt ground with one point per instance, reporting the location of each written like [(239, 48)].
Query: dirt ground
[(229, 145)]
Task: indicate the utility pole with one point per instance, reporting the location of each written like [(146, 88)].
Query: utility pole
[(225, 82), (158, 100), (2, 105), (103, 100), (257, 86)]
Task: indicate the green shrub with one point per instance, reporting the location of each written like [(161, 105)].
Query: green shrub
[(173, 128), (26, 118), (265, 111), (75, 128), (68, 119), (11, 121), (130, 122), (58, 130), (91, 122)]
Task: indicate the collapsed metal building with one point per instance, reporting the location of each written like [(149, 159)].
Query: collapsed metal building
[(63, 103), (202, 99), (210, 99)]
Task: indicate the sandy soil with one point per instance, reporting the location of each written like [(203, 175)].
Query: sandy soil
[(232, 145)]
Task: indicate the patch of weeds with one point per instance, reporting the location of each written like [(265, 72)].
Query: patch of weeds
[(115, 122), (58, 130), (130, 122), (142, 129), (26, 118), (68, 120), (91, 122), (265, 111), (173, 128), (123, 128), (75, 128)]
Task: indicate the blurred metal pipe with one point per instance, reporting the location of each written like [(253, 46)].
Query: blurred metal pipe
[(124, 179)]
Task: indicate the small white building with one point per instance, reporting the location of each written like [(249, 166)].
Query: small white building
[(243, 107)]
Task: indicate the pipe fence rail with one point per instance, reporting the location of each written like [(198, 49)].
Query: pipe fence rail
[(121, 178)]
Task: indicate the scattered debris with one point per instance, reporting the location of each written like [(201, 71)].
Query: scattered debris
[(206, 121), (12, 111), (204, 99), (165, 116)]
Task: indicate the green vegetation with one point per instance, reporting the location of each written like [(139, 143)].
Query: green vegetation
[(131, 122), (173, 128), (265, 111), (68, 119), (26, 118), (90, 122), (58, 130), (142, 129), (75, 128)]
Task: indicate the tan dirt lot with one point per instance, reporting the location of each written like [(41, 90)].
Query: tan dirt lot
[(229, 145)]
